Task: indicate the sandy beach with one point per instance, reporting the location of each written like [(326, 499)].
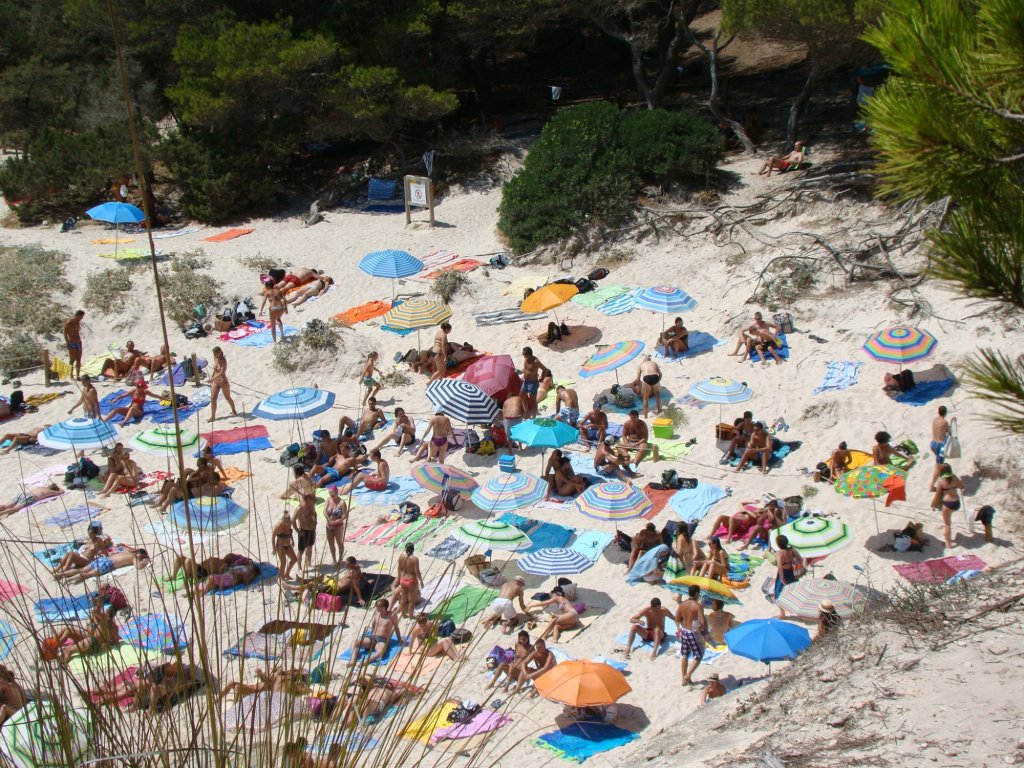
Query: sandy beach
[(721, 277)]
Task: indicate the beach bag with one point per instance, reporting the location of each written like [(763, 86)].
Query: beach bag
[(823, 473), (325, 601), (290, 456), (585, 285), (598, 274), (452, 500), (497, 436), (461, 636), (500, 261), (669, 478), (322, 707), (784, 322), (792, 505), (476, 563), (410, 512), (624, 541), (487, 447), (472, 441), (951, 448), (799, 566), (114, 597), (463, 713), (445, 628)]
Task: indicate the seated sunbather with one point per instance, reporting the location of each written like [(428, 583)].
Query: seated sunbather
[(716, 564), (132, 411), (81, 569), (28, 497), (561, 478), (674, 340), (758, 447), (720, 621), (232, 577), (562, 611), (100, 634), (423, 640), (612, 461), (523, 648), (155, 686), (750, 520), (292, 681), (782, 163), (12, 697), (748, 334), (122, 475), (539, 661), (652, 628), (766, 343), (403, 432), (119, 367), (318, 287), (21, 439)]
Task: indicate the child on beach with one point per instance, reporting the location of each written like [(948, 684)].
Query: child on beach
[(371, 384)]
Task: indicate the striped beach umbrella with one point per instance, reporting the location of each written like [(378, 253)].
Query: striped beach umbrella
[(78, 434), (613, 502), (555, 561), (509, 492), (665, 299), (900, 344), (207, 513), (490, 534), (867, 482), (440, 477), (543, 433), (295, 403), (496, 375), (611, 357), (413, 314), (390, 264), (163, 440), (804, 598), (43, 735), (463, 401), (814, 536), (767, 640), (721, 390)]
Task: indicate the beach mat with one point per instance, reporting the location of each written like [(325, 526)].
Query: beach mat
[(620, 305), (939, 570), (659, 497), (79, 513), (923, 392), (394, 648), (597, 297), (580, 741), (112, 661), (462, 265), (224, 442), (64, 609), (423, 728), (264, 338), (699, 343), (9, 590), (230, 234), (267, 571), (839, 375), (484, 721), (464, 604), (155, 632), (783, 352), (591, 544), (504, 316), (693, 504)]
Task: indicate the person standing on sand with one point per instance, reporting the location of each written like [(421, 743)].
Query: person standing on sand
[(73, 342), (533, 371), (371, 384), (691, 628), (648, 376), (410, 581), (219, 384), (440, 351), (940, 431), (336, 512), (305, 514), (438, 430), (283, 543), (947, 498)]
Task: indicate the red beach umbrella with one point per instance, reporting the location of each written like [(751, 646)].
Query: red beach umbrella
[(496, 375)]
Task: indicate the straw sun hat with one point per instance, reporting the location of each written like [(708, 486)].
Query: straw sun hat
[(827, 606)]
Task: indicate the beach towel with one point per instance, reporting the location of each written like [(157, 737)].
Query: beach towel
[(581, 741), (449, 549), (620, 305), (783, 352), (670, 637), (420, 530), (128, 254), (230, 234), (272, 647), (161, 414), (112, 661), (423, 728), (693, 504), (51, 556), (128, 676), (462, 265), (839, 375), (939, 570), (8, 637), (170, 535), (9, 590), (699, 343), (44, 476), (178, 372), (671, 450), (464, 604), (394, 648), (45, 397), (238, 440), (542, 534), (248, 328), (175, 233), (155, 632), (415, 664), (399, 489), (644, 564), (58, 609), (36, 450), (504, 316), (267, 571), (923, 392), (436, 260), (713, 653), (519, 285), (659, 498), (352, 742), (264, 338), (363, 312), (484, 721), (597, 297), (113, 241), (591, 544), (437, 590), (74, 515), (775, 460)]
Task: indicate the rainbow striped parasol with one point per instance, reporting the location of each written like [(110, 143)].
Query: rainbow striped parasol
[(439, 477), (507, 493), (867, 482), (900, 344), (611, 357), (613, 502), (803, 598)]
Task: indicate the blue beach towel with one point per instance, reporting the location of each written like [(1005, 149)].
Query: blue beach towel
[(52, 556), (620, 305), (591, 544), (700, 342), (240, 446), (693, 504), (645, 564), (72, 516), (580, 741), (398, 490), (839, 375), (546, 535), (394, 648), (161, 414), (352, 742), (178, 372), (924, 392), (263, 338), (783, 352), (775, 460), (267, 571), (666, 396), (57, 609), (155, 632)]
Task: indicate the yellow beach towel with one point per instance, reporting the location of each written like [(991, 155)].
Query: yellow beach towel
[(113, 241), (60, 368), (421, 730), (103, 666)]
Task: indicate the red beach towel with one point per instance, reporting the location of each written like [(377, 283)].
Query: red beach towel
[(231, 234)]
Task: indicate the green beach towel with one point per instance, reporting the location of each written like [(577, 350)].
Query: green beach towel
[(671, 450), (596, 298), (117, 659), (464, 604)]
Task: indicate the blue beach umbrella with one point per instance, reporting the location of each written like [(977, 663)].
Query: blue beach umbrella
[(116, 213), (544, 433), (509, 492), (665, 300), (721, 390), (78, 434), (295, 403), (390, 264), (555, 561), (767, 640), (207, 513)]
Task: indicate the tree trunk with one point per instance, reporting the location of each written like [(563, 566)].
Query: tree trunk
[(714, 100), (796, 111)]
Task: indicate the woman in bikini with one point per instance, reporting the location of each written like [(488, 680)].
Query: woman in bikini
[(154, 687), (785, 567), (440, 351), (523, 648), (219, 384), (132, 411), (277, 308), (318, 287), (947, 498), (122, 473), (240, 573), (100, 634), (563, 614), (284, 545), (152, 363), (687, 549), (336, 512), (716, 564), (566, 482), (423, 640)]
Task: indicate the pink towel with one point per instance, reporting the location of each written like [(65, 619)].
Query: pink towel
[(9, 589), (353, 535), (940, 569), (389, 535), (484, 722), (130, 675), (437, 259), (374, 532)]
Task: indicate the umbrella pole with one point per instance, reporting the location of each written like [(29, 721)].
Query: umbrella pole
[(874, 506)]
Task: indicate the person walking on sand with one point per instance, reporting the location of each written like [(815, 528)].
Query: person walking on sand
[(940, 431), (947, 498), (533, 371), (410, 581), (440, 351), (371, 384), (219, 383), (691, 629), (283, 544), (73, 342), (652, 630), (649, 377), (438, 430), (305, 513), (89, 400)]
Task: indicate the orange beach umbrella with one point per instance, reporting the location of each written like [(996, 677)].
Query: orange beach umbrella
[(583, 684), (548, 297)]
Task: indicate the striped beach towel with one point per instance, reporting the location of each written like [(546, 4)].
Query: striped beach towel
[(839, 375), (437, 260), (620, 305), (601, 295), (503, 316)]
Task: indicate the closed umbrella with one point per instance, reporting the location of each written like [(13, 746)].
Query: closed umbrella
[(583, 684), (548, 297), (804, 598), (767, 640), (440, 477), (814, 536), (163, 441), (207, 513), (721, 390), (43, 735), (491, 534), (611, 358), (665, 300), (900, 344), (390, 264), (116, 213), (295, 403), (555, 561), (614, 502), (463, 401), (869, 482), (78, 434), (496, 375), (509, 492)]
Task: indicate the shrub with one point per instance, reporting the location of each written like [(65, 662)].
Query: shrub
[(448, 283), (320, 335), (18, 353), (591, 161), (185, 288), (262, 264), (108, 290), (33, 279)]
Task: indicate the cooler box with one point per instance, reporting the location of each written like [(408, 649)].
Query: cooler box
[(507, 463), (663, 429)]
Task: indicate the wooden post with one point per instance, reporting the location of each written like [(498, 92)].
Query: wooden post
[(195, 369), (46, 368)]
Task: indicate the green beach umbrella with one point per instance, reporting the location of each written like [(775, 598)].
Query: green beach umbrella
[(41, 735), (814, 536), (163, 441), (492, 535)]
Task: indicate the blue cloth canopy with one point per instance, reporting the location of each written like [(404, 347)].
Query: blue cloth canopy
[(767, 640), (116, 213), (390, 263)]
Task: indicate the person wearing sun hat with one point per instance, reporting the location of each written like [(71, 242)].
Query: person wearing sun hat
[(828, 620), (712, 690)]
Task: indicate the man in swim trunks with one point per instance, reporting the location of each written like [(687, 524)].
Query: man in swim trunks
[(305, 513), (133, 410), (439, 430), (644, 541), (119, 367), (375, 481), (611, 461), (759, 446), (29, 496), (297, 277), (947, 498), (652, 630), (73, 342), (403, 431), (675, 340), (152, 363), (593, 426), (383, 627), (747, 336), (513, 411), (410, 581), (502, 609), (533, 371), (337, 468), (940, 431), (648, 383), (104, 564), (634, 438), (371, 417), (89, 400), (691, 628), (741, 432), (567, 405)]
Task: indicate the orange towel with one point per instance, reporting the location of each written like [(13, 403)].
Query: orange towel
[(659, 497), (231, 234), (234, 474), (462, 265), (363, 312)]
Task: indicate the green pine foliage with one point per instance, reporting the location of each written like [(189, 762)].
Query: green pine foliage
[(592, 160)]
